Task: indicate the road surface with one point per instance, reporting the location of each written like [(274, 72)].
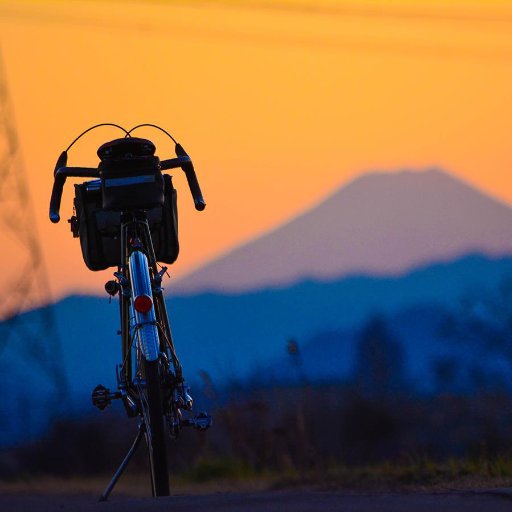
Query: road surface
[(275, 501)]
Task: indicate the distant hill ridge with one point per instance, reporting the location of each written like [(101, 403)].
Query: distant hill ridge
[(379, 224), (234, 336)]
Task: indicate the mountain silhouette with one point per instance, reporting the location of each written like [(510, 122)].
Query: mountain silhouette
[(380, 224)]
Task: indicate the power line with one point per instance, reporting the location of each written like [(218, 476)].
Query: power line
[(333, 43), (406, 13), (503, 19)]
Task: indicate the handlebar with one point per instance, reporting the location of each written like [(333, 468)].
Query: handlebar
[(62, 172), (186, 165), (58, 186)]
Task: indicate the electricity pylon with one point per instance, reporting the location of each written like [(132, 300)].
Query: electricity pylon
[(26, 313)]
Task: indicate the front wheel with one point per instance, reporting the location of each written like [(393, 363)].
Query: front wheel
[(155, 430)]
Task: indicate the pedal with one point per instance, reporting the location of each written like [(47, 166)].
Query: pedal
[(102, 397), (183, 400), (203, 421)]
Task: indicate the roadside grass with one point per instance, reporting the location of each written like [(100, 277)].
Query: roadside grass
[(417, 475), (133, 485), (227, 475), (397, 443)]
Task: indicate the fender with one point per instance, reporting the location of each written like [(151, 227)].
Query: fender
[(145, 323)]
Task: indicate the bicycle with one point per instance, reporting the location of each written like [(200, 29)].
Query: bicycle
[(126, 217)]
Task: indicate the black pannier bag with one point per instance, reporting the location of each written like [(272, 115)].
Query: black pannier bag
[(131, 178), (99, 229)]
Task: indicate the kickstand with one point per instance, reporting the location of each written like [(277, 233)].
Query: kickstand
[(126, 460)]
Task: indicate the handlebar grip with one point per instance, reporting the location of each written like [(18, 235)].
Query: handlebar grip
[(193, 184), (58, 187)]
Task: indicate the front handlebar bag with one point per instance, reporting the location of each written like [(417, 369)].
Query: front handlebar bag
[(99, 229), (131, 177)]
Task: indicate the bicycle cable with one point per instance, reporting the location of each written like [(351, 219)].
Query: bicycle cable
[(98, 126), (128, 133)]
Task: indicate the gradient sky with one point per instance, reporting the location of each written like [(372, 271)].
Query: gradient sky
[(278, 103)]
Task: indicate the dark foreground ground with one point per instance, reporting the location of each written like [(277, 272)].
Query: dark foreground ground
[(496, 500)]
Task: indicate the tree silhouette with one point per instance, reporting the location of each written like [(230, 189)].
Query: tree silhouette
[(379, 367)]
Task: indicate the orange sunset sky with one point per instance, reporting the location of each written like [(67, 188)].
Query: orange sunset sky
[(278, 103)]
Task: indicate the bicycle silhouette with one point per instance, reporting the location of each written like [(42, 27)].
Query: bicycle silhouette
[(127, 218)]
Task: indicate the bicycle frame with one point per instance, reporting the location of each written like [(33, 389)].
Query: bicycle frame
[(133, 230), (163, 386)]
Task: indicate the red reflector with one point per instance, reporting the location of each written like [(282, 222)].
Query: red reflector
[(143, 303)]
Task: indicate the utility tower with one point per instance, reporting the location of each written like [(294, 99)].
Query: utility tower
[(26, 314)]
